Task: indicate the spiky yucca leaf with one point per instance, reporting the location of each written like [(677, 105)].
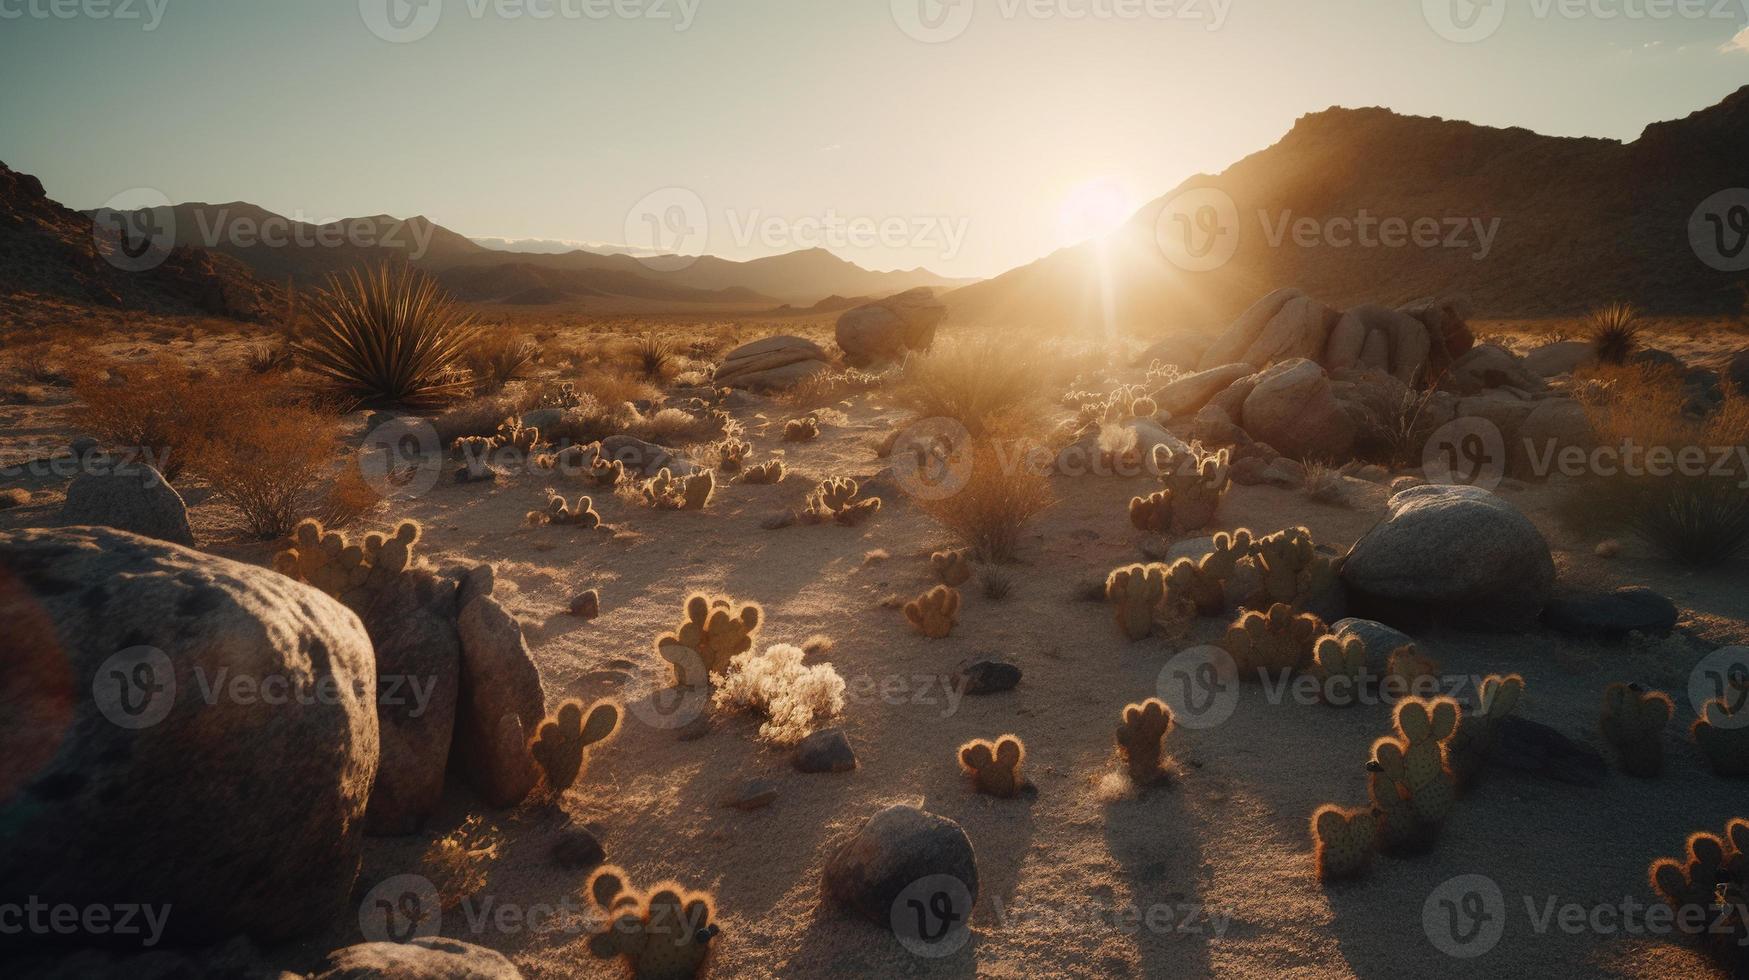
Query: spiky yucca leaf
[(388, 336), (1615, 330)]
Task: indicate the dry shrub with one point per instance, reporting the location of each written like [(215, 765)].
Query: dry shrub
[(161, 408), (1698, 517), (1001, 496), (1394, 424), (830, 387), (776, 685), (1326, 485), (479, 416), (458, 861), (266, 454), (675, 427), (349, 497), (495, 361), (614, 387), (983, 383)]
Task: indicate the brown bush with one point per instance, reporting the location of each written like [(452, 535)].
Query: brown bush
[(989, 514), (985, 384), (161, 408), (266, 455)]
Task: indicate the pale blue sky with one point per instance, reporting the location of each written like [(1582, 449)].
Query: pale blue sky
[(517, 126)]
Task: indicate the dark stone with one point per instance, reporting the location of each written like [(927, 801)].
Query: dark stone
[(825, 751), (1612, 615), (985, 677), (1530, 747), (578, 849), (754, 794), (897, 848)]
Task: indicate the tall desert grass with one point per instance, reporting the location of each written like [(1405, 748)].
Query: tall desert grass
[(991, 512), (984, 383), (1697, 514)]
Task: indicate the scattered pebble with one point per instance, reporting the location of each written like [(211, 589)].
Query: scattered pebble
[(587, 606), (1609, 548), (577, 849), (825, 751), (754, 794), (980, 677)]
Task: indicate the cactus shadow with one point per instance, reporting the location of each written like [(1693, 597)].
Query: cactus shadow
[(1149, 835)]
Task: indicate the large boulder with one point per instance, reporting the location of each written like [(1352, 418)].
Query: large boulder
[(1381, 339), (1448, 329), (421, 959), (888, 329), (1181, 350), (411, 621), (1612, 615), (128, 497), (502, 704), (1189, 394), (1454, 555), (1553, 426), (1231, 345), (216, 742), (1294, 409), (896, 849), (1491, 366), (1300, 329), (1561, 357), (772, 363)]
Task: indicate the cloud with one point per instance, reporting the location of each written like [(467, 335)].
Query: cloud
[(1738, 44)]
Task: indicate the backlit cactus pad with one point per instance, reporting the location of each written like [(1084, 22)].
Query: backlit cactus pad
[(710, 636), (664, 935)]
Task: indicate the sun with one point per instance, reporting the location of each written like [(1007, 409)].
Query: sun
[(1093, 209)]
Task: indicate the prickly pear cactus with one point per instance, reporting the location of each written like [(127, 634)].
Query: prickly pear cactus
[(1269, 643), (475, 453), (1193, 485), (1693, 882), (995, 766), (1411, 782), (1633, 722), (953, 568), (561, 513), (710, 636), (935, 612), (1141, 740), (1135, 594), (1293, 571), (732, 454), (1473, 743), (1342, 668), (765, 474), (804, 429), (665, 935), (348, 572), (561, 744), (512, 434), (665, 491), (1343, 841), (835, 500), (1723, 735)]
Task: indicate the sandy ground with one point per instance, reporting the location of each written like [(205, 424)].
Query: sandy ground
[(1219, 862)]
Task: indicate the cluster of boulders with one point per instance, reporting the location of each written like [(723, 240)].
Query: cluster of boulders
[(216, 737), (877, 333)]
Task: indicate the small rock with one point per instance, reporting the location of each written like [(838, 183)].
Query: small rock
[(825, 751), (1403, 483), (132, 498), (982, 677), (1372, 473), (587, 605), (577, 849), (754, 794), (897, 848), (14, 497), (1612, 615), (1530, 747), (1609, 548), (1381, 640), (435, 958), (779, 520)]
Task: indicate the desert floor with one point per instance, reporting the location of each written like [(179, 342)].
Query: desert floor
[(1219, 862)]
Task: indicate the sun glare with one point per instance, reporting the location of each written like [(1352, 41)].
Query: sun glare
[(1093, 209)]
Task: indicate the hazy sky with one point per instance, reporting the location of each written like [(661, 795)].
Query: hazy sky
[(968, 138)]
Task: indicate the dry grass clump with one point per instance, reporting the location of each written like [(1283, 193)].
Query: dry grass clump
[(776, 685), (985, 384), (1394, 425), (498, 360), (161, 408), (1697, 513), (388, 336), (674, 427), (267, 454), (1326, 485), (989, 514), (458, 860), (1614, 331), (479, 416), (831, 387)]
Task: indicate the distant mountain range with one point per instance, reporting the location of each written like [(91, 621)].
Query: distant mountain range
[(1524, 224), (279, 249)]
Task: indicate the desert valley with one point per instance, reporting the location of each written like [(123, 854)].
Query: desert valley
[(1337, 567)]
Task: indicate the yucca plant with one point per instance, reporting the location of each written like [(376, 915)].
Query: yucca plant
[(389, 335), (654, 355), (1615, 332)]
